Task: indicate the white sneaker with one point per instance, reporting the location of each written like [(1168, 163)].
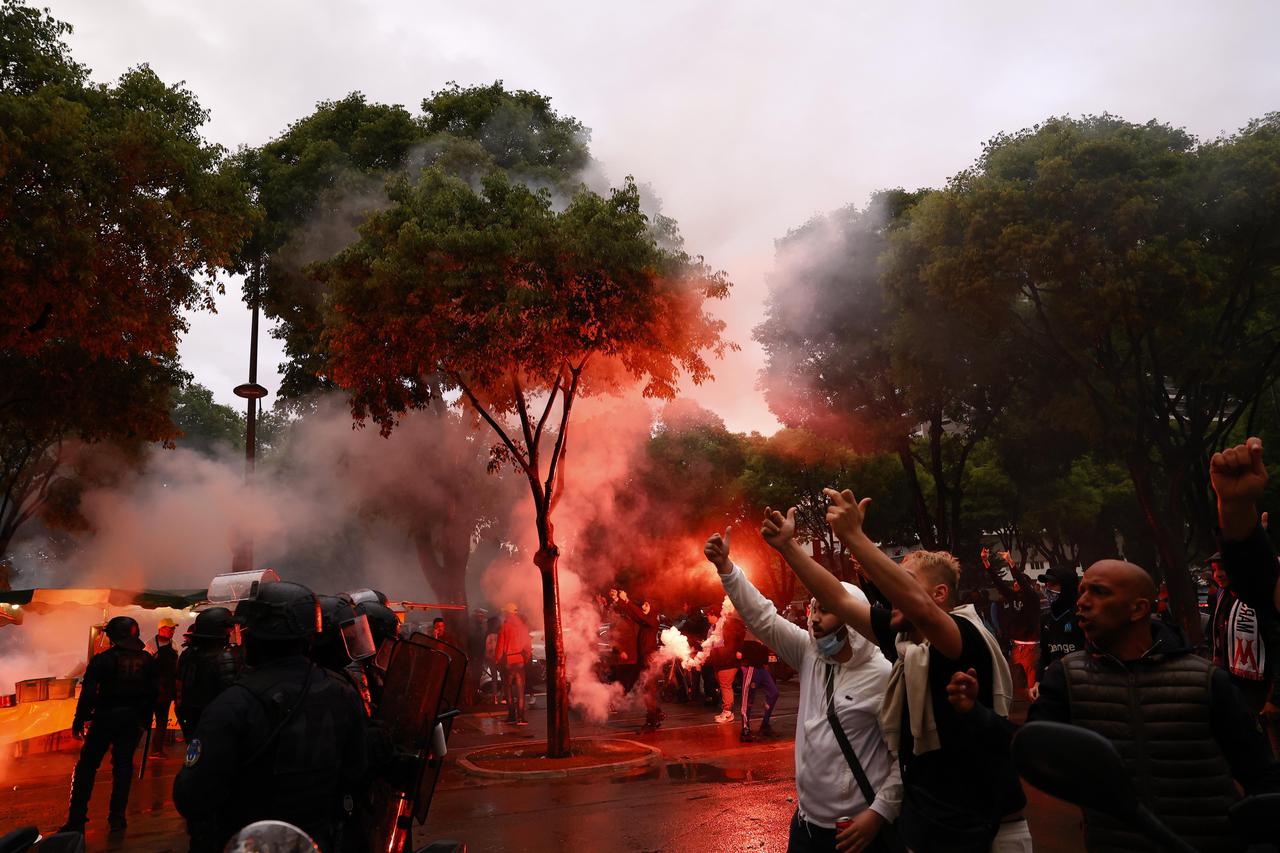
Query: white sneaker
[(725, 717)]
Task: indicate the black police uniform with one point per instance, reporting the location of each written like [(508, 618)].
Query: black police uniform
[(205, 669), (166, 687), (116, 700), (285, 742)]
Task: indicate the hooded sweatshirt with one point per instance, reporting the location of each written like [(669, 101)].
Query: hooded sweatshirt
[(825, 785)]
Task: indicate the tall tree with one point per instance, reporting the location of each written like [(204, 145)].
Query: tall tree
[(117, 216), (521, 308), (1143, 267), (324, 175), (870, 358)]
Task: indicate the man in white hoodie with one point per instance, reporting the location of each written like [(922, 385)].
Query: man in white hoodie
[(961, 794), (840, 670)]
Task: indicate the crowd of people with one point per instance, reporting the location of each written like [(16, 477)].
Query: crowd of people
[(903, 737)]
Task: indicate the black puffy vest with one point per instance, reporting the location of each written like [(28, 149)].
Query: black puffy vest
[(1157, 713)]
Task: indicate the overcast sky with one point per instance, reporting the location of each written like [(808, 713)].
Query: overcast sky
[(746, 117)]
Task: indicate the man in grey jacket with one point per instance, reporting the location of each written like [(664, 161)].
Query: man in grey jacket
[(838, 668)]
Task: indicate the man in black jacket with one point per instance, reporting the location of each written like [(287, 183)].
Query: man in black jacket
[(285, 742), (166, 683), (116, 702), (1183, 730)]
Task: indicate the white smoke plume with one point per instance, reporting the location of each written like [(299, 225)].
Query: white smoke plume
[(715, 638)]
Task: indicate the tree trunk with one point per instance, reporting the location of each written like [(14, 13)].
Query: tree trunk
[(924, 525), (547, 560), (1182, 592)]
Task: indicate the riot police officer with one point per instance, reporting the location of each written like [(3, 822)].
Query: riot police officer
[(117, 700), (207, 666), (285, 742), (384, 626)]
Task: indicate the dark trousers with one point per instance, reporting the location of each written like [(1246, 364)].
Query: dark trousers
[(807, 838), (514, 681), (119, 733), (162, 725), (754, 677)]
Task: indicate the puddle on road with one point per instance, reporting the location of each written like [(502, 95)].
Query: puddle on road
[(693, 771)]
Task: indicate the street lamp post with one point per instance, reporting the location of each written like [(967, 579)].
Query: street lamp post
[(251, 392)]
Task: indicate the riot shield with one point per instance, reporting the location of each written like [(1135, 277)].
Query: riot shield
[(450, 695), (411, 697)]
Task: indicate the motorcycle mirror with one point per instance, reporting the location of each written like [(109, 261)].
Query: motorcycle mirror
[(62, 842), (1254, 818), (271, 836), (1076, 765), (19, 840), (438, 747)]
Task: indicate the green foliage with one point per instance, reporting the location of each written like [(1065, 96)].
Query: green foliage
[(117, 216), (518, 131), (207, 427), (483, 288), (327, 172)]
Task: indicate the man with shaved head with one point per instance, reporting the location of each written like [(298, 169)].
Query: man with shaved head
[(1183, 730)]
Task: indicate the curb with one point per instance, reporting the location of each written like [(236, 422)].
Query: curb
[(653, 757)]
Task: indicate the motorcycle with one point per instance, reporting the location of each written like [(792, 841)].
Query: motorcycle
[(266, 836), (29, 838), (1084, 768)]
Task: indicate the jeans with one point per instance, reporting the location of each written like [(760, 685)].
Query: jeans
[(514, 681), (725, 677)]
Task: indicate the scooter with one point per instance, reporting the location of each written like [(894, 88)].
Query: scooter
[(274, 835), (29, 838), (1084, 768)]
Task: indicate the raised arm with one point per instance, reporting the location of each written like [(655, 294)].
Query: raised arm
[(916, 599), (788, 640), (1239, 478), (779, 531)]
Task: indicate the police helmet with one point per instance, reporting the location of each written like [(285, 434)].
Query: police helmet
[(213, 624), (382, 621), (123, 631), (282, 610)]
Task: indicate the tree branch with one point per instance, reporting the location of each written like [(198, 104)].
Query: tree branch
[(575, 373), (484, 413)]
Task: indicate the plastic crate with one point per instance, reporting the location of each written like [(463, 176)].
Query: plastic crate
[(33, 689)]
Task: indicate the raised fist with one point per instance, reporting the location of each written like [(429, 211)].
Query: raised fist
[(1237, 473)]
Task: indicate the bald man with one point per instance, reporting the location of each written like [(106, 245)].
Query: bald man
[(1182, 728)]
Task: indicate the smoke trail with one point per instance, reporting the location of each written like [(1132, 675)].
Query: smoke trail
[(715, 638)]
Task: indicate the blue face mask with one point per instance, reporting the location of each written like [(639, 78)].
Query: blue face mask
[(832, 644)]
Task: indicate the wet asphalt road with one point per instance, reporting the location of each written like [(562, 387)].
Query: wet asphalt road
[(712, 793)]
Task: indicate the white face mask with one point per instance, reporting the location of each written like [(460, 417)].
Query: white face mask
[(832, 644)]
